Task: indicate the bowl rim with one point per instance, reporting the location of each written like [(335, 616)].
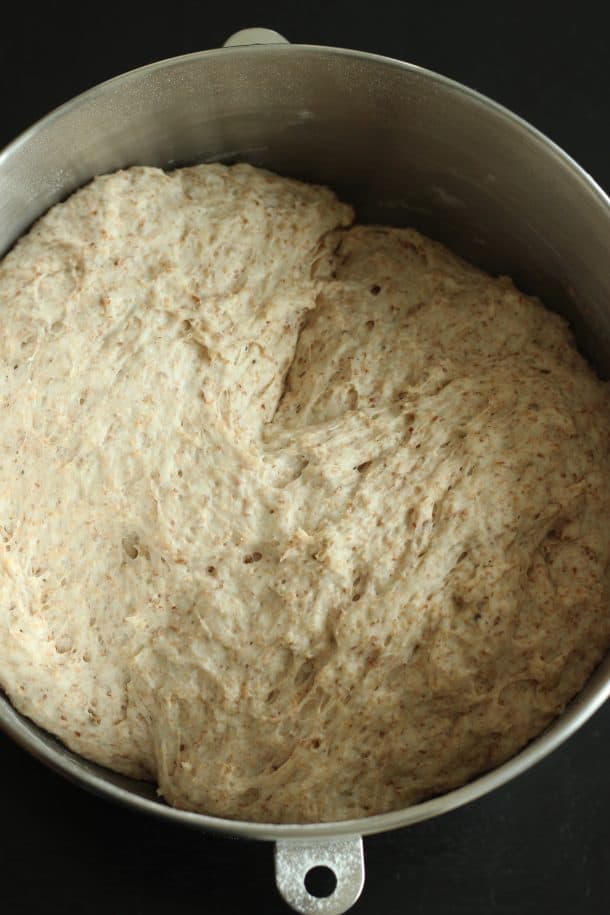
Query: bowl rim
[(88, 95), (50, 751), (40, 744)]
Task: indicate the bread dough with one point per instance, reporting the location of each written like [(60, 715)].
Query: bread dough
[(303, 521)]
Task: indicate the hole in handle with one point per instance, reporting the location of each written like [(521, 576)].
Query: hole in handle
[(320, 877), (320, 881)]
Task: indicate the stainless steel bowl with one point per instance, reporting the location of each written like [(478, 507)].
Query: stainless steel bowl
[(407, 147)]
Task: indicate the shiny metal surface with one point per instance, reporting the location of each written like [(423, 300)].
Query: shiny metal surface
[(254, 36), (407, 147), (294, 860)]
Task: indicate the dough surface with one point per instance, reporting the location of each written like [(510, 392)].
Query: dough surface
[(301, 519)]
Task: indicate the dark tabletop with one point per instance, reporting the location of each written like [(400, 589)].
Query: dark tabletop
[(540, 844)]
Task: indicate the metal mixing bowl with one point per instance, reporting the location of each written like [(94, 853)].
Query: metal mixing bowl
[(407, 147)]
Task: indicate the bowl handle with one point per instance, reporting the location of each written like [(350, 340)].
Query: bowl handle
[(255, 36), (294, 859)]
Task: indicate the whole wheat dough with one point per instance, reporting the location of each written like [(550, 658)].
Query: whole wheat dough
[(303, 522)]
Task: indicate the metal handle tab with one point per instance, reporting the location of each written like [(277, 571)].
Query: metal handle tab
[(295, 859), (254, 36)]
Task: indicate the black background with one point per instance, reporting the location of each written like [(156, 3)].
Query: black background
[(538, 845)]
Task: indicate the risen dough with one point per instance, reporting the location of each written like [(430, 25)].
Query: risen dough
[(303, 522)]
